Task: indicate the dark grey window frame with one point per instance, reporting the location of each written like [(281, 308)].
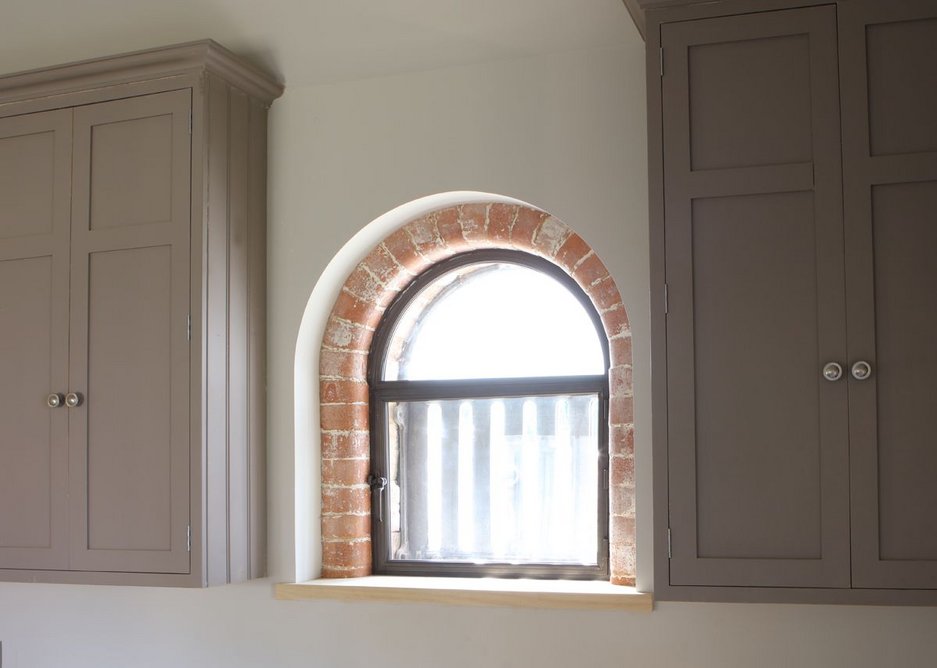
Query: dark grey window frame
[(384, 391)]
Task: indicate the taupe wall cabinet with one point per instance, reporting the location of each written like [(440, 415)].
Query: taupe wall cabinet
[(794, 244), (132, 309)]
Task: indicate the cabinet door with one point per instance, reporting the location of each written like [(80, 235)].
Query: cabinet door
[(757, 439), (35, 175), (889, 88), (129, 354)]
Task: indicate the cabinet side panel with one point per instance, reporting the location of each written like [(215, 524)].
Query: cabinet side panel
[(215, 316), (257, 338), (234, 320), (198, 238), (238, 415)]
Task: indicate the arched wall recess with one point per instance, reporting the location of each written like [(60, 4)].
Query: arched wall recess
[(425, 233)]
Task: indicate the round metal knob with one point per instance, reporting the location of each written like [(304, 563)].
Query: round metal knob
[(832, 372), (72, 399), (861, 370), (54, 400)]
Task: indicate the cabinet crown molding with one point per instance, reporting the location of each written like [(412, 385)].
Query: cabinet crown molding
[(191, 58), (647, 14)]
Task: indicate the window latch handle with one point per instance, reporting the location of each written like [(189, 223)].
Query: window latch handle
[(377, 484)]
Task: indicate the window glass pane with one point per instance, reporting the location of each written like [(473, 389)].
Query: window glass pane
[(493, 320), (511, 480)]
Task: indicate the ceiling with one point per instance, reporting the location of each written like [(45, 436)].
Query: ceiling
[(313, 41)]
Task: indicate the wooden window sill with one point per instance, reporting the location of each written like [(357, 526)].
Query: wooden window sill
[(557, 594)]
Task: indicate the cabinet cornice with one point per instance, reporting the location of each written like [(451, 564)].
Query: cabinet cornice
[(192, 58)]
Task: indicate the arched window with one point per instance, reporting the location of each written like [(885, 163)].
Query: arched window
[(489, 395), (348, 359)]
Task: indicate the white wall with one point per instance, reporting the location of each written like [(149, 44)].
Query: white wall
[(565, 133)]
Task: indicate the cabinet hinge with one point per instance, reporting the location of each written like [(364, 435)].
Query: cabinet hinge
[(188, 327), (662, 61), (669, 545), (666, 300), (188, 538)]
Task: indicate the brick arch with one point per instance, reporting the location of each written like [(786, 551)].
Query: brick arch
[(343, 389)]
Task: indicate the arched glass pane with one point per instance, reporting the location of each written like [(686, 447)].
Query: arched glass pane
[(493, 320)]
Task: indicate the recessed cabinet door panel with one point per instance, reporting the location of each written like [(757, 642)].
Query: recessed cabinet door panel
[(32, 447), (130, 380), (902, 80), (757, 441), (35, 164), (758, 395), (905, 232), (770, 79), (27, 182), (131, 172), (129, 443), (890, 178)]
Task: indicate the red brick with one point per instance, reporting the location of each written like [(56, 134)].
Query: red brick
[(604, 294), (571, 252), (528, 220), (550, 236), (621, 410), (620, 381), (621, 440), (349, 307), (500, 221), (346, 445), (622, 471), (621, 501), (615, 321), (401, 247), (424, 236), (343, 364), (450, 230), (342, 391), (383, 265), (345, 471), (622, 564), (474, 221), (344, 553), (329, 571), (590, 271), (343, 417), (345, 500), (345, 335), (346, 526), (620, 350), (621, 531), (367, 288)]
